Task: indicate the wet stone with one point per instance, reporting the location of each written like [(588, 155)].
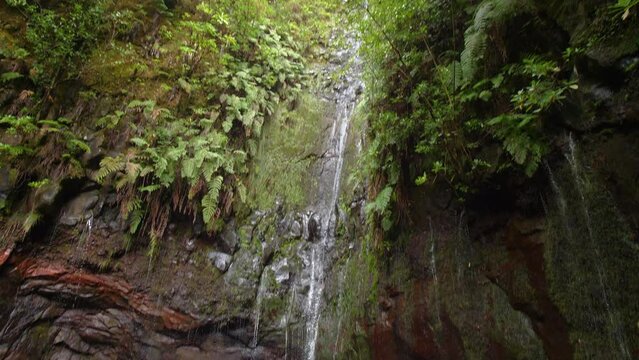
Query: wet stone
[(314, 228), (80, 208), (190, 245), (282, 271), (296, 230), (220, 260), (230, 240)]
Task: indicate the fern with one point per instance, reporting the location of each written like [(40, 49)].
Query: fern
[(212, 166), (108, 166), (488, 13), (30, 221), (139, 142), (133, 205), (73, 144), (9, 76), (135, 219), (381, 202), (188, 169), (154, 249), (241, 190), (136, 104), (150, 188), (210, 200)]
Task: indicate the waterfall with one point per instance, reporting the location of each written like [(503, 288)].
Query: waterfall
[(257, 311), (346, 95), (85, 236), (288, 323), (580, 186), (579, 181)]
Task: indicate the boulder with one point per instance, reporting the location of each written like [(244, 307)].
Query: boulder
[(296, 230), (314, 228), (281, 270), (220, 260), (229, 239), (81, 208)]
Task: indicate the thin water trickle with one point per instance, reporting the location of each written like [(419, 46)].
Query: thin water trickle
[(578, 175), (257, 311), (433, 268), (340, 311), (330, 180), (288, 323), (617, 334)]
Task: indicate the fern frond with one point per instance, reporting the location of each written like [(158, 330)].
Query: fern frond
[(381, 202), (150, 188), (188, 169), (30, 221), (241, 190), (210, 200), (154, 249), (139, 142), (109, 165), (488, 13), (135, 219), (78, 144)]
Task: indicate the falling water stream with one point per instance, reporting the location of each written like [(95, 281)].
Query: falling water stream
[(346, 95), (617, 330), (257, 311), (433, 269), (579, 180)]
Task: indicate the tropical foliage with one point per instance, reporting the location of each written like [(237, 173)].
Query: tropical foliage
[(175, 109), (447, 107)]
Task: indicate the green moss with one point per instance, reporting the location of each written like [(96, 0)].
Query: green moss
[(39, 340), (289, 144), (588, 262), (513, 330), (113, 67)]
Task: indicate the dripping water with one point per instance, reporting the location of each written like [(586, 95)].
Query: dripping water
[(617, 333), (288, 323), (257, 311), (346, 97), (433, 268)]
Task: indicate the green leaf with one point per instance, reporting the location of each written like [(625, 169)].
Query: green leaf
[(381, 202), (210, 200), (139, 142), (79, 144), (150, 188), (9, 76)]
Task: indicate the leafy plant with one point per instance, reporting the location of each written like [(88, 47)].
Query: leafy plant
[(623, 8), (59, 40)]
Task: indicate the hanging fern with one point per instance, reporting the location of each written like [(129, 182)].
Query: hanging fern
[(210, 200), (489, 13), (381, 202), (108, 166)]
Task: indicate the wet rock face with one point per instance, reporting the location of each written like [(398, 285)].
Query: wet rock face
[(220, 260), (314, 228), (443, 300), (81, 208), (229, 239), (281, 271), (511, 280), (62, 313)]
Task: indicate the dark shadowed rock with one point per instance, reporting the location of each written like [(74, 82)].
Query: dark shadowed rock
[(81, 208), (314, 228), (229, 239)]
